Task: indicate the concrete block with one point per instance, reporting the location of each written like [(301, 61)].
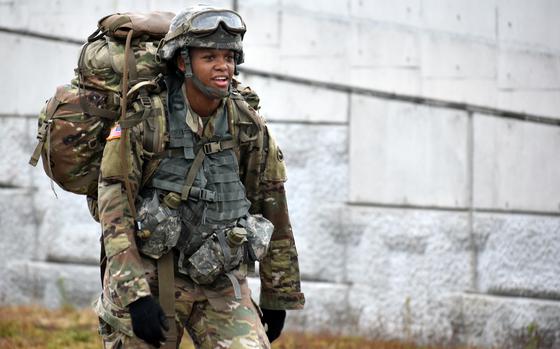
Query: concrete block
[(484, 321), (263, 22), (536, 102), (66, 231), (522, 70), (18, 231), (531, 24), (398, 80), (326, 308), (59, 19), (78, 243), (68, 19), (18, 141), (49, 284), (477, 91), (474, 19), (333, 8), (518, 255), (294, 102), (507, 174), (380, 45), (403, 12), (402, 317), (317, 164), (451, 57), (36, 68), (321, 37), (63, 18), (328, 68), (410, 252), (265, 58), (406, 154), (456, 319), (309, 54)]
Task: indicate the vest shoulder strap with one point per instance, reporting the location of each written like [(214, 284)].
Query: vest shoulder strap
[(246, 113), (155, 134)]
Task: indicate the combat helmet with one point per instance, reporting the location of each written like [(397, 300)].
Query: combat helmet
[(204, 27)]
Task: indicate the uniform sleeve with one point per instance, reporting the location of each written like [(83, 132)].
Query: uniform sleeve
[(279, 271), (124, 274)]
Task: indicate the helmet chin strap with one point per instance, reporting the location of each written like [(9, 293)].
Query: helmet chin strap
[(210, 92)]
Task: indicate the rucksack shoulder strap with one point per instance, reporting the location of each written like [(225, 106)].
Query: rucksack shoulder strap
[(154, 138)]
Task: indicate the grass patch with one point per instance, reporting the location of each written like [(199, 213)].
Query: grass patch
[(39, 328)]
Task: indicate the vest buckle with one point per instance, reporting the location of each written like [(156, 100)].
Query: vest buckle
[(207, 195), (145, 101), (212, 147)]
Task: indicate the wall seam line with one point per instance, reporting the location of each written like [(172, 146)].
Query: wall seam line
[(534, 118)]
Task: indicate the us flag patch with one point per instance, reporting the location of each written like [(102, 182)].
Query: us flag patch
[(115, 132)]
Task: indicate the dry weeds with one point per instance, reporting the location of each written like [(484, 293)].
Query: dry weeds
[(39, 328)]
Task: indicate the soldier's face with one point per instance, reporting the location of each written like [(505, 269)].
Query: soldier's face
[(213, 67)]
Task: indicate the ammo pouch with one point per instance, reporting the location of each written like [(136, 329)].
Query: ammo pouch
[(159, 226), (226, 249)]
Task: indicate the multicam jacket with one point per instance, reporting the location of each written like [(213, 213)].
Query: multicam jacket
[(263, 174)]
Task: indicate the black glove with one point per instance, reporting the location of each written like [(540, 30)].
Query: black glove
[(148, 319), (274, 319)]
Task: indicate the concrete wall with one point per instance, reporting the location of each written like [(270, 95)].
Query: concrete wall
[(420, 138)]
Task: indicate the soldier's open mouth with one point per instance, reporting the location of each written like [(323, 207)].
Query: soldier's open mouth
[(221, 81)]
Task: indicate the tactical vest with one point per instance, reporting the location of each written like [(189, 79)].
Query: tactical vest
[(203, 173), (216, 181)]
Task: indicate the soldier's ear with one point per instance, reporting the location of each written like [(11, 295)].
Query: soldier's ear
[(181, 63)]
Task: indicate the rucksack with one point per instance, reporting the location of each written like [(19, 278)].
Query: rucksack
[(75, 122)]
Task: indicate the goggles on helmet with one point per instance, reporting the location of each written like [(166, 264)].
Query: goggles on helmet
[(208, 21), (194, 28)]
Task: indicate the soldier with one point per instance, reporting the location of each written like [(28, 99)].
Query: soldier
[(200, 210)]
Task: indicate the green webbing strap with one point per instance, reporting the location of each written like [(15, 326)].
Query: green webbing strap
[(166, 285), (214, 147), (227, 261), (50, 173), (225, 177), (43, 132), (41, 136), (137, 117), (221, 235), (207, 148), (231, 196), (169, 153), (191, 174), (92, 110), (130, 61), (235, 284), (220, 216)]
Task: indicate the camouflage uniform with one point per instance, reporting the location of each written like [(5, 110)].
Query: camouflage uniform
[(213, 317)]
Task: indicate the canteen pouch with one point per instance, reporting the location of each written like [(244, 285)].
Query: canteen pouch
[(217, 256), (159, 226)]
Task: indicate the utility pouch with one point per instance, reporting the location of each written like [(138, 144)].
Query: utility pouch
[(159, 226), (226, 249), (259, 233), (220, 253)]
